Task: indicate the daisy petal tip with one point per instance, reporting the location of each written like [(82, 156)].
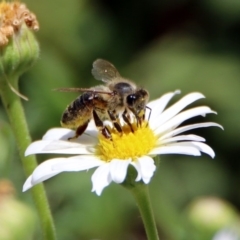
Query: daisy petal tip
[(98, 192), (178, 91), (200, 95), (25, 188), (202, 147), (219, 125), (35, 147), (211, 153), (118, 170), (214, 112), (197, 154), (28, 184), (138, 178), (28, 151), (101, 178), (146, 180)]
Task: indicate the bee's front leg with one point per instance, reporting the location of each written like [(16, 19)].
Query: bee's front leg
[(127, 120)]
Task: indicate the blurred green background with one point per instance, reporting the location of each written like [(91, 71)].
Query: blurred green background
[(191, 45)]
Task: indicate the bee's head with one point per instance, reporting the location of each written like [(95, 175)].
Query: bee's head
[(137, 103)]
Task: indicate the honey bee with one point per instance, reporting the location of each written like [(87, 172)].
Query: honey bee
[(117, 97)]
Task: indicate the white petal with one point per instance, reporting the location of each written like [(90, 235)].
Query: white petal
[(101, 178), (28, 184), (138, 168), (92, 126), (92, 134), (161, 103), (190, 137), (91, 130), (181, 117), (77, 163), (204, 148), (89, 137), (145, 165), (118, 170), (43, 172), (188, 148), (177, 107), (64, 147), (189, 127), (58, 134), (177, 148), (158, 105)]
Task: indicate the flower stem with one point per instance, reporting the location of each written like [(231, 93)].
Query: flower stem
[(13, 106), (141, 195)]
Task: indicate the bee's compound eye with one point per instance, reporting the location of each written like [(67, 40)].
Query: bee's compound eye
[(131, 99)]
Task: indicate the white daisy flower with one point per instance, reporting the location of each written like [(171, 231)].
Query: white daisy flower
[(161, 135)]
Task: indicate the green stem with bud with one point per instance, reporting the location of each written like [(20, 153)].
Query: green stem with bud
[(13, 106)]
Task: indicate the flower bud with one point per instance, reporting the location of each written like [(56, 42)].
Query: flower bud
[(209, 215), (18, 46)]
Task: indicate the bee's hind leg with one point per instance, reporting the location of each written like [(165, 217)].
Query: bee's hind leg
[(79, 131)]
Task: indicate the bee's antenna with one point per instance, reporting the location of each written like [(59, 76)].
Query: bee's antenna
[(149, 112), (82, 90), (70, 89)]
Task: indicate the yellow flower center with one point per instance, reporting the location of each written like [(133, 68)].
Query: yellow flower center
[(127, 144)]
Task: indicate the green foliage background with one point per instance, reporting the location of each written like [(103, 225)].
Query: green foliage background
[(191, 45)]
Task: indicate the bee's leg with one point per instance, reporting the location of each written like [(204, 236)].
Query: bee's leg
[(99, 124), (140, 117), (140, 120), (127, 120), (115, 123), (79, 131), (106, 133)]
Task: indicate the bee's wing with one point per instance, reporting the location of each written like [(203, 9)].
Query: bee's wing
[(104, 70)]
